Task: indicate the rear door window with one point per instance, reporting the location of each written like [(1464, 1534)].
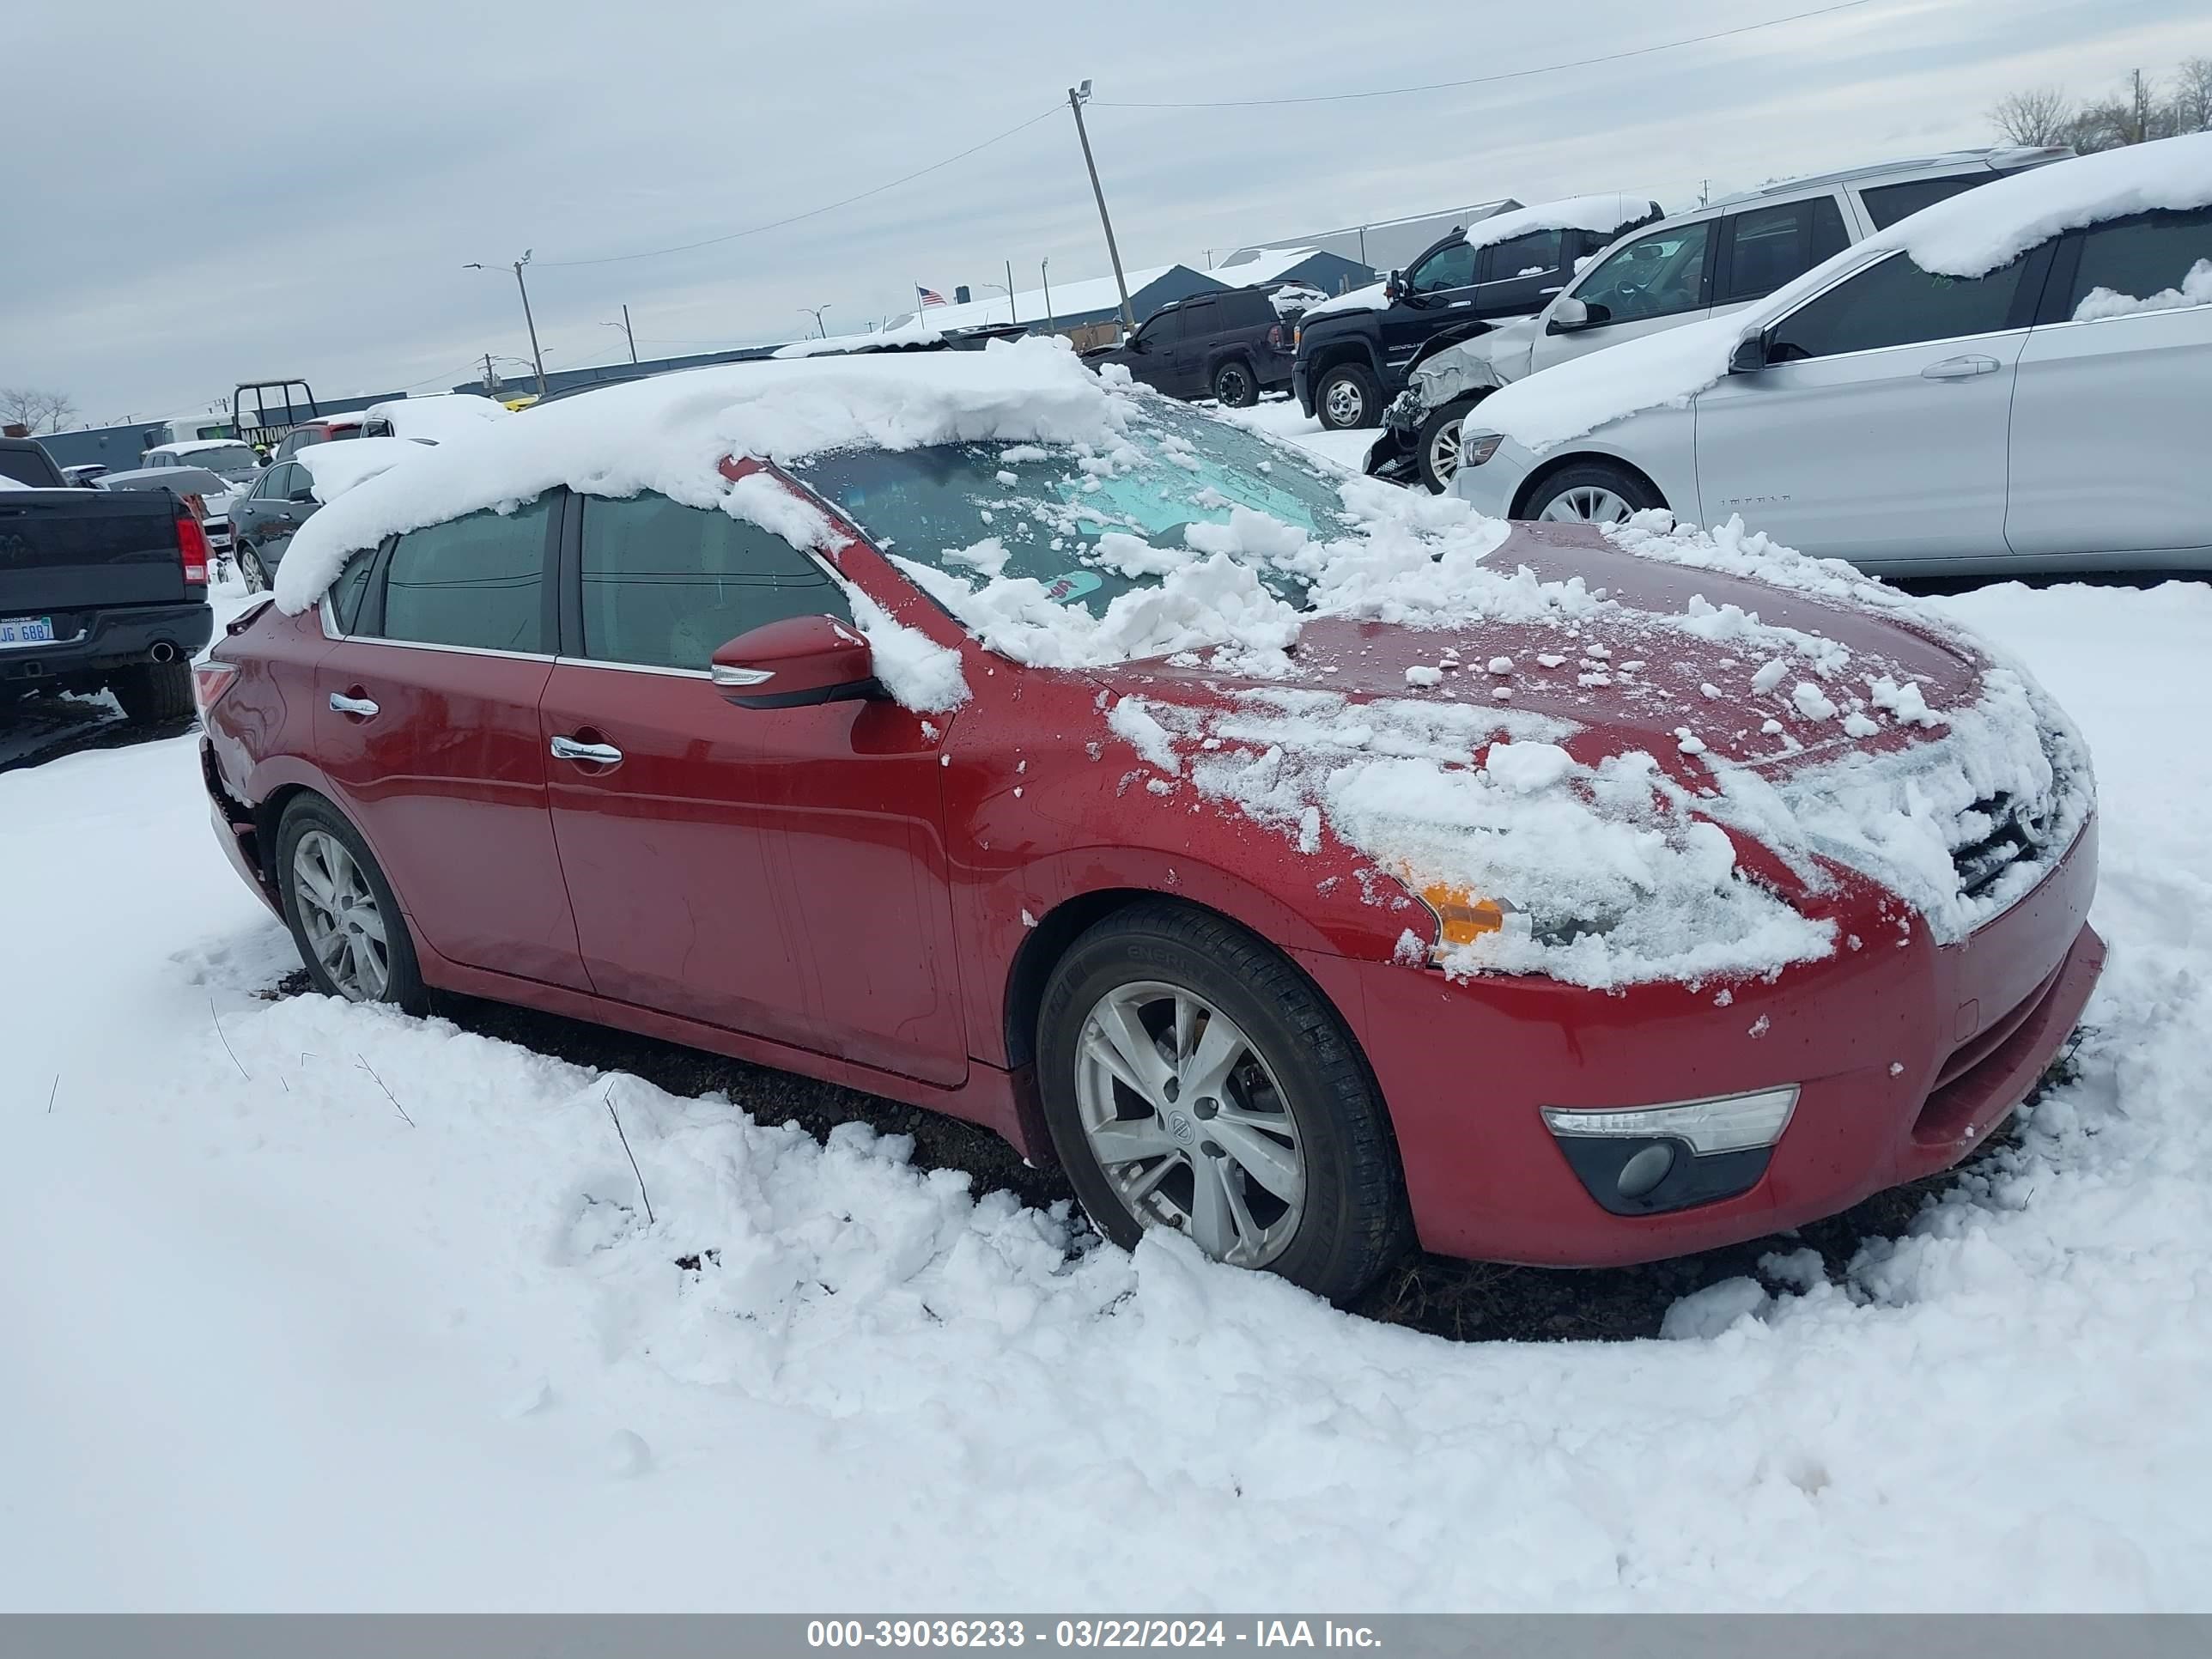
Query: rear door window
[(1896, 303), (2153, 262), (1201, 318), (665, 586), (1771, 245), (1886, 204), (477, 581), (1537, 254), (346, 591)]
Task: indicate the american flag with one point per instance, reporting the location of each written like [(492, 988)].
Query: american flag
[(930, 296)]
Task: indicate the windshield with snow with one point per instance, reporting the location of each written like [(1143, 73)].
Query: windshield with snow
[(1088, 523)]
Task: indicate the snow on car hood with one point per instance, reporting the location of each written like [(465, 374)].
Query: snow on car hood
[(1663, 753), (1965, 235)]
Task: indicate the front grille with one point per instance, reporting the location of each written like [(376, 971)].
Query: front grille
[(2014, 834)]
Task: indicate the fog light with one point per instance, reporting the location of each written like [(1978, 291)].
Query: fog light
[(1645, 1170), (1725, 1123)]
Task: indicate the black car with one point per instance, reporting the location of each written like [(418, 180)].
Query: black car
[(1353, 353), (262, 519), (1230, 346)]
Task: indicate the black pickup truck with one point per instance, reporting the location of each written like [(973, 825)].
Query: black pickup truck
[(99, 590)]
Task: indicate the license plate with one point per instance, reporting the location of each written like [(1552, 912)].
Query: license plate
[(26, 630)]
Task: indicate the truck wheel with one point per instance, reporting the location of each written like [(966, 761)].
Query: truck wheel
[(154, 693), (1348, 395), (1436, 445), (1195, 1082), (1234, 387)]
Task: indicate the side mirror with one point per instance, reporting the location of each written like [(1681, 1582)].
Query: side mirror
[(794, 661), (1135, 342), (1569, 313), (1394, 285), (1749, 355), (304, 497)]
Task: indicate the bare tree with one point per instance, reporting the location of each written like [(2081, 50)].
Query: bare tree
[(2131, 116), (39, 411), (2040, 115), (2191, 108)]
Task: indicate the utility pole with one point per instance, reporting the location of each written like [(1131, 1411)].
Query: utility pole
[(1044, 269), (624, 326), (537, 357), (1076, 98), (1705, 189), (1012, 313), (491, 379)]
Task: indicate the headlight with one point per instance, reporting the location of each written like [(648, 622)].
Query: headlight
[(1473, 452), (1726, 1124)]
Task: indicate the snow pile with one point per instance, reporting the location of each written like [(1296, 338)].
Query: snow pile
[(1965, 235), (444, 417), (670, 433), (2196, 290), (1607, 874), (918, 674), (337, 467), (1603, 213)]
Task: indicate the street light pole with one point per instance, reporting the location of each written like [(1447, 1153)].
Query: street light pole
[(815, 312), (537, 357), (1044, 269), (1076, 96), (1012, 315), (629, 335)]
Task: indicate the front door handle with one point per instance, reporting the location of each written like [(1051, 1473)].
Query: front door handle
[(342, 704), (600, 754), (1959, 368)]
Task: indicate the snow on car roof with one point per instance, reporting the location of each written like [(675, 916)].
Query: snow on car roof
[(1965, 235), (1603, 213), (195, 445), (443, 417)]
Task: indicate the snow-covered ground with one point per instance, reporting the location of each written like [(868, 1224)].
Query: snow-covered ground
[(306, 1305)]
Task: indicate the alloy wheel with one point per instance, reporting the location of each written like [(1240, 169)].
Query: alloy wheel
[(339, 914), (249, 567), (1443, 452), (1188, 1123), (1233, 389), (1586, 504)]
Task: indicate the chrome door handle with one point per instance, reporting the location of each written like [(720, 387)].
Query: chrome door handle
[(1554, 289), (602, 754), (342, 704), (1959, 368)]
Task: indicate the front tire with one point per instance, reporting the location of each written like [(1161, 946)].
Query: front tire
[(344, 917), (1194, 1081), (1234, 387), (1436, 445), (154, 693), (1591, 492), (249, 567), (1348, 396)]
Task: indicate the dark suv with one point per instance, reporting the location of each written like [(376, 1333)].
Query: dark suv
[(1230, 346), (1353, 352)]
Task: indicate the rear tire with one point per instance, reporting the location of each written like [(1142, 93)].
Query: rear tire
[(1280, 1110), (1589, 492), (249, 567), (1436, 445), (344, 917), (1234, 387), (154, 693), (1348, 396)]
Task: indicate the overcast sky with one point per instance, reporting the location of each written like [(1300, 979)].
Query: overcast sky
[(230, 192)]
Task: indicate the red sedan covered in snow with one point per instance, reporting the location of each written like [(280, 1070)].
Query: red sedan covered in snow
[(1303, 866)]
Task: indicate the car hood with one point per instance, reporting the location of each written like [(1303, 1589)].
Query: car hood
[(1665, 765)]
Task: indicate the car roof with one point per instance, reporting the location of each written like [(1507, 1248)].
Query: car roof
[(189, 446), (1996, 159)]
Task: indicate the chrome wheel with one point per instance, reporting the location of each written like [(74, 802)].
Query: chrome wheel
[(1586, 504), (1188, 1123), (1345, 403), (339, 913), (1443, 452)]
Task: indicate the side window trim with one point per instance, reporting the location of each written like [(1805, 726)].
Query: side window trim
[(2019, 318), (368, 623)]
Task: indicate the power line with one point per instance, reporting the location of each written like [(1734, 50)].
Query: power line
[(810, 213), (1483, 80)]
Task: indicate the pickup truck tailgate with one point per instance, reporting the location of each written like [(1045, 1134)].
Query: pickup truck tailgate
[(64, 550)]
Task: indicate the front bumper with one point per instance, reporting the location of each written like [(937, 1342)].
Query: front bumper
[(1909, 1054), (1302, 386), (94, 641)]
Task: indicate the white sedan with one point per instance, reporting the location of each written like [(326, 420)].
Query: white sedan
[(2013, 379)]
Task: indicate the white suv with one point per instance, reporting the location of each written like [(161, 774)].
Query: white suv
[(1705, 263)]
